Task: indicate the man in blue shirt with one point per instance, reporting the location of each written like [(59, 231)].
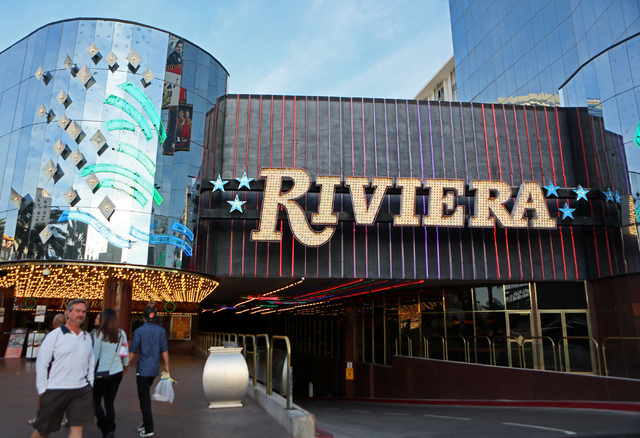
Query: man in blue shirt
[(148, 343)]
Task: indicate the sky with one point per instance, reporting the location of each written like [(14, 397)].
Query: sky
[(372, 48)]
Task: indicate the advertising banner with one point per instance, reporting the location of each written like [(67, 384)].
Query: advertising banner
[(16, 342), (181, 327)]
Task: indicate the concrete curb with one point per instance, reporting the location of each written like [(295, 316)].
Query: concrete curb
[(297, 422)]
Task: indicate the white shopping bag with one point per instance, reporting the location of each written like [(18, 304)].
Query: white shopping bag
[(163, 391)]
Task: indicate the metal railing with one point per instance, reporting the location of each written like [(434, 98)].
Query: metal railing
[(409, 345), (560, 350), (289, 390)]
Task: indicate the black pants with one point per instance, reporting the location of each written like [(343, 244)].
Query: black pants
[(144, 395), (106, 388)]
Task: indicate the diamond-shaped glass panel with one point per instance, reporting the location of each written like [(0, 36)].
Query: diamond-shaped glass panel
[(49, 169), (42, 111), (148, 75), (15, 198), (93, 49), (76, 156), (61, 97), (98, 140), (70, 195), (68, 62), (134, 58), (92, 181), (73, 130), (45, 234), (64, 121), (107, 207), (84, 75), (39, 73), (111, 59), (59, 147)]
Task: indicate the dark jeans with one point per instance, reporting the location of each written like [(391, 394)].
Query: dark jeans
[(106, 388), (144, 395)]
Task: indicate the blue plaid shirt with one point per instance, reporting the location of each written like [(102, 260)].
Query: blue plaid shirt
[(149, 340)]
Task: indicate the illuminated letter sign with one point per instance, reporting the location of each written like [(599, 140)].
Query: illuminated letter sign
[(443, 210), (273, 198)]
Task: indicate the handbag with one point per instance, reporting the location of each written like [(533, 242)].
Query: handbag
[(105, 374)]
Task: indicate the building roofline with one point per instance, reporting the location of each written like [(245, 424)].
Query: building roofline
[(447, 67), (115, 20)]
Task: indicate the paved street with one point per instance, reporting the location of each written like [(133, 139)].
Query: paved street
[(380, 420)]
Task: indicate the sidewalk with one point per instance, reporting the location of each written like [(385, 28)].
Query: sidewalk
[(188, 416)]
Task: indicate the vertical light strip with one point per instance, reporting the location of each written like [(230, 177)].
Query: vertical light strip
[(526, 129), (535, 117), (433, 175), (506, 134), (413, 229), (366, 229), (475, 149), (375, 156), (353, 173), (341, 196), (424, 202), (386, 140), (306, 151), (466, 171), (515, 121), (317, 171), (329, 161), (295, 121), (455, 166), (397, 127)]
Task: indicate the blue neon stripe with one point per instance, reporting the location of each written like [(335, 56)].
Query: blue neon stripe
[(112, 238), (177, 226), (155, 239)]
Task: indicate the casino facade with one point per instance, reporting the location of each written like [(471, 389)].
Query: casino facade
[(367, 230)]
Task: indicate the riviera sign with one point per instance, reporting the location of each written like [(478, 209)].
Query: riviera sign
[(443, 211)]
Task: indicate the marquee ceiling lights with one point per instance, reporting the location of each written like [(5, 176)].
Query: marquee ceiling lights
[(88, 281)]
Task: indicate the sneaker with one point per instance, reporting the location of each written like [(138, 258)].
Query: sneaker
[(141, 427), (143, 433)]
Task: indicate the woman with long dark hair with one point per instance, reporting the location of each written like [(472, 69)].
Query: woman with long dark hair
[(112, 361)]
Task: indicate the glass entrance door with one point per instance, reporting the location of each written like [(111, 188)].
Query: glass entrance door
[(569, 330)]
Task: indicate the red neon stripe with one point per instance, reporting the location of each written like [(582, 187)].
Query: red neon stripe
[(231, 249), (526, 129), (271, 134), (495, 131), (306, 150), (486, 142), (506, 134), (553, 170), (246, 158), (293, 240), (366, 229), (584, 156), (553, 261), (515, 121), (495, 246), (564, 178), (328, 290), (282, 151), (235, 141), (280, 246)]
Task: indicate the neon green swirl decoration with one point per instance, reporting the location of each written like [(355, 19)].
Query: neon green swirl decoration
[(137, 194), (123, 171), (140, 156), (144, 101), (133, 112), (116, 124)]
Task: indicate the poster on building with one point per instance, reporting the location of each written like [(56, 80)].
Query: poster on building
[(173, 94), (181, 327), (179, 127), (16, 342), (40, 313), (33, 344)]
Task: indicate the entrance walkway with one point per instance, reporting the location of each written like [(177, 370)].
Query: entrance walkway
[(188, 416)]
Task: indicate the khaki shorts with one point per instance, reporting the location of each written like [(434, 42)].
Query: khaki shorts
[(77, 403)]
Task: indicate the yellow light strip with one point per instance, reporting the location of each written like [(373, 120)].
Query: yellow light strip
[(88, 281)]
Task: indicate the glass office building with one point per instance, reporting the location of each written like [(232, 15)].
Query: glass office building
[(572, 53), (102, 134)]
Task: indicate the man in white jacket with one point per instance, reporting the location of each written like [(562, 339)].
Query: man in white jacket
[(64, 376)]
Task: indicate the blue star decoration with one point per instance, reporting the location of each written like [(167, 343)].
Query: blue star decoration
[(617, 197), (218, 184), (551, 189), (244, 181), (582, 193), (609, 195), (566, 211), (236, 204)]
